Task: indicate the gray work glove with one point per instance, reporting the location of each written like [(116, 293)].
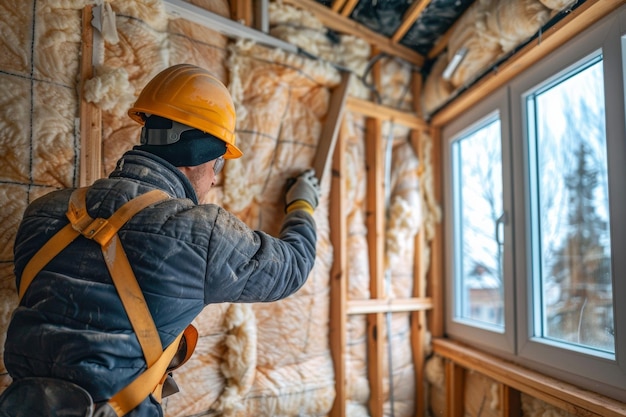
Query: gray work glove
[(303, 192)]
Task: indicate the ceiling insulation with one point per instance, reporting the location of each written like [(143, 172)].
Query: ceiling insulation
[(386, 17)]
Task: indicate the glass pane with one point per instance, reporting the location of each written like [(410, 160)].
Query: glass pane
[(477, 185), (573, 295)]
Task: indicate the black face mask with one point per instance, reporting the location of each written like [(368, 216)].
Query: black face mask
[(179, 144)]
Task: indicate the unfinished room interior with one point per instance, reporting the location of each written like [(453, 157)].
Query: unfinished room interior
[(471, 156)]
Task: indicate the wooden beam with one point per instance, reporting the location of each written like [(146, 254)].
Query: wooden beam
[(576, 21), (510, 402), (334, 116), (384, 113), (555, 392), (343, 24), (375, 352), (388, 305), (418, 328), (455, 389), (409, 19), (436, 272), (375, 218), (241, 11), (90, 159), (348, 8), (417, 85), (338, 278), (418, 318), (337, 5)]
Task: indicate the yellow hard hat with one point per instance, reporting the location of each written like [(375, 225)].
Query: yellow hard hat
[(192, 96)]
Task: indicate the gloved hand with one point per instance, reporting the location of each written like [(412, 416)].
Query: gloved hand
[(303, 192)]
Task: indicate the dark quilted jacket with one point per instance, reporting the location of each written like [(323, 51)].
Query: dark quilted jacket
[(71, 323)]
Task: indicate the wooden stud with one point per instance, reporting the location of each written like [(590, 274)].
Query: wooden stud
[(348, 8), (90, 159), (338, 280), (337, 5), (418, 319), (375, 219), (510, 402), (417, 83), (376, 234), (418, 330), (455, 389), (242, 12), (436, 271)]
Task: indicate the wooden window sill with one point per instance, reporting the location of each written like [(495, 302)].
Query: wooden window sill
[(565, 396)]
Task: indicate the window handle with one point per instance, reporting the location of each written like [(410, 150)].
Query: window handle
[(502, 220)]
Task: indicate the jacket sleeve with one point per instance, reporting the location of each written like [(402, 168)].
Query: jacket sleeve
[(247, 265)]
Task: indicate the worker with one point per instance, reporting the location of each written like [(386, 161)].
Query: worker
[(72, 325)]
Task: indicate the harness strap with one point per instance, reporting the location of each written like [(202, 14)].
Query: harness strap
[(104, 231), (135, 392), (48, 251)]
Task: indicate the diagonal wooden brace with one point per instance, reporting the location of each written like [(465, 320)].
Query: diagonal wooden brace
[(328, 139)]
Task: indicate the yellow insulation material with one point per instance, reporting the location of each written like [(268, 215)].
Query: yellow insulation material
[(489, 29)]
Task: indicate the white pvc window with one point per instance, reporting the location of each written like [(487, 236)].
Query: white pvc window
[(535, 220), (479, 240)]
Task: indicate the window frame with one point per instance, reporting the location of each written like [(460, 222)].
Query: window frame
[(517, 343), (504, 341), (595, 372)]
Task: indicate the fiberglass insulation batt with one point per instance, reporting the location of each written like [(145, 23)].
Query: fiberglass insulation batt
[(489, 29)]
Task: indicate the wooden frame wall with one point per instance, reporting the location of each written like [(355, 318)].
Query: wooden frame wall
[(340, 307), (380, 303)]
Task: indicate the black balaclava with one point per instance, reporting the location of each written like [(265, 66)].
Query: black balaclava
[(194, 147)]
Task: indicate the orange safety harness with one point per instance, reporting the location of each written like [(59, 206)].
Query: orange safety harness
[(104, 231)]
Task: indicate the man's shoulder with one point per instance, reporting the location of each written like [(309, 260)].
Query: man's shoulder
[(52, 202)]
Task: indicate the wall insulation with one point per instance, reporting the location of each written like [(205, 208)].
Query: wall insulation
[(261, 359)]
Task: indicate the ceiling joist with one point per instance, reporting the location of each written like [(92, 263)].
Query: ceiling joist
[(348, 8), (345, 25), (337, 5), (411, 15)]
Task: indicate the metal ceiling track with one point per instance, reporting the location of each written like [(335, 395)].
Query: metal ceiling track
[(184, 10)]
